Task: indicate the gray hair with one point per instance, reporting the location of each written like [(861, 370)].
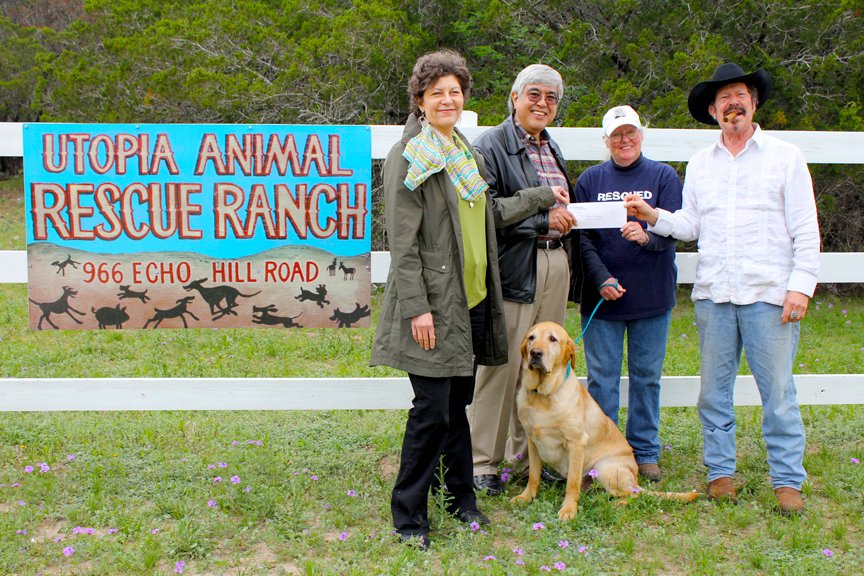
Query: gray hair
[(535, 74)]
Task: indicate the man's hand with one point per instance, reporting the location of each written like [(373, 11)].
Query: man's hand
[(423, 330), (640, 209), (794, 307), (561, 219)]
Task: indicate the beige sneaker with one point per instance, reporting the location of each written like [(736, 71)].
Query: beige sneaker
[(791, 503), (722, 489), (650, 471)]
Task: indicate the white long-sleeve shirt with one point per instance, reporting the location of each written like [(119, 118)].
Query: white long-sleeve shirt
[(755, 217)]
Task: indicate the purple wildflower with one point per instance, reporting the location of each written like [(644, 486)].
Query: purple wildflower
[(545, 568), (211, 503), (593, 473), (489, 558), (223, 464), (351, 493), (827, 552), (343, 536), (518, 551), (564, 544), (474, 526), (179, 566), (71, 457), (560, 566), (235, 479), (854, 460), (519, 562), (68, 551), (28, 469), (538, 526), (217, 479)]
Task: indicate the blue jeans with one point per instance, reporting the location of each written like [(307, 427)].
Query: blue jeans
[(724, 329), (646, 350)]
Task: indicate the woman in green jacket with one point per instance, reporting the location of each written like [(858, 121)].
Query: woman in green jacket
[(442, 311)]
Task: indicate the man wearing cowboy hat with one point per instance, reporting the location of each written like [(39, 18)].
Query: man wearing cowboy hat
[(748, 198)]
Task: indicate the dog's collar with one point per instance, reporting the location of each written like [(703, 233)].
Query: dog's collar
[(566, 376)]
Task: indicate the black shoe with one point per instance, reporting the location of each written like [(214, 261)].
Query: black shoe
[(469, 516), (421, 541), (491, 483), (551, 476)]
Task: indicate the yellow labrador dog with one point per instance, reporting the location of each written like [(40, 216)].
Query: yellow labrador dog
[(565, 426)]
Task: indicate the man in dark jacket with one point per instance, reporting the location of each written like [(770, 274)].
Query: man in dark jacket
[(535, 268)]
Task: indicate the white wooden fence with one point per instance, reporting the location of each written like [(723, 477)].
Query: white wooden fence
[(53, 394)]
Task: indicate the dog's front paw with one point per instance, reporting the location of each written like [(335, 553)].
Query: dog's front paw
[(525, 497), (568, 511)]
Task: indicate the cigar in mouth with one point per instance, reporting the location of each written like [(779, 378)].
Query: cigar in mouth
[(730, 115)]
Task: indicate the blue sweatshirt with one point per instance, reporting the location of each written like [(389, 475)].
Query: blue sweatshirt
[(648, 273)]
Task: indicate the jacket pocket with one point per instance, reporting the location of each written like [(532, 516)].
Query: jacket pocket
[(436, 274)]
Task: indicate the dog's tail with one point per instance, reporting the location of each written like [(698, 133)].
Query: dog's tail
[(678, 496)]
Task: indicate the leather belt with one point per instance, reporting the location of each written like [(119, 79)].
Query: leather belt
[(549, 244)]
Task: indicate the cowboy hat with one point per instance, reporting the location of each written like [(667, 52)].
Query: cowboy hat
[(703, 93)]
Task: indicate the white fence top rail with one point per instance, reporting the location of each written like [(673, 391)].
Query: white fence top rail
[(664, 144)]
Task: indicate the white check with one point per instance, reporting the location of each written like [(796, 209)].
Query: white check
[(598, 214)]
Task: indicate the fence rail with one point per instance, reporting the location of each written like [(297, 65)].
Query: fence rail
[(56, 394)]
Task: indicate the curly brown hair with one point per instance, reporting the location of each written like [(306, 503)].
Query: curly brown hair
[(429, 68)]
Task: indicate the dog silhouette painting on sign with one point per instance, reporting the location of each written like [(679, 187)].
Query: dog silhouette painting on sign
[(59, 306), (265, 316), (125, 292), (178, 311), (346, 319), (61, 264), (319, 296), (216, 294)]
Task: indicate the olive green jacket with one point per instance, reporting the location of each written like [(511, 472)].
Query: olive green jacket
[(426, 263)]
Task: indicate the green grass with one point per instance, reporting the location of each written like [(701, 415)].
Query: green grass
[(319, 482)]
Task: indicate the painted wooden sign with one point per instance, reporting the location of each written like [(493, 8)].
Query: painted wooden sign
[(197, 226)]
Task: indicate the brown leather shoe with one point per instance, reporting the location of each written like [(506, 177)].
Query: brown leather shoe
[(791, 503), (722, 489), (650, 471)]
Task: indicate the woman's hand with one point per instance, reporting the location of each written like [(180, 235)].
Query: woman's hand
[(611, 290), (633, 232), (423, 330)]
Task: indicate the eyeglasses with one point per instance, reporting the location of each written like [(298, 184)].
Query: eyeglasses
[(630, 134), (535, 96)]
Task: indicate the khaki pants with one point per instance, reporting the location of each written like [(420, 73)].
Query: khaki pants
[(492, 414)]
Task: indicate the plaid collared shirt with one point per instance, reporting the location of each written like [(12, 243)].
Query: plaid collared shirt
[(544, 163), (541, 157)]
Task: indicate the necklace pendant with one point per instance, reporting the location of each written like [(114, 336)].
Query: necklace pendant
[(470, 204)]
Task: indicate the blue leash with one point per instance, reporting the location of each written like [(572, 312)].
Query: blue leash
[(591, 317)]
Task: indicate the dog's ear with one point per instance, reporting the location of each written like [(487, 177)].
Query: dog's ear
[(571, 349), (523, 348)]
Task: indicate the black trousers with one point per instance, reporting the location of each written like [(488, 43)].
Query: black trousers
[(437, 431)]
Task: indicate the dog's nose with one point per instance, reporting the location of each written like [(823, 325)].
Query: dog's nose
[(536, 353)]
